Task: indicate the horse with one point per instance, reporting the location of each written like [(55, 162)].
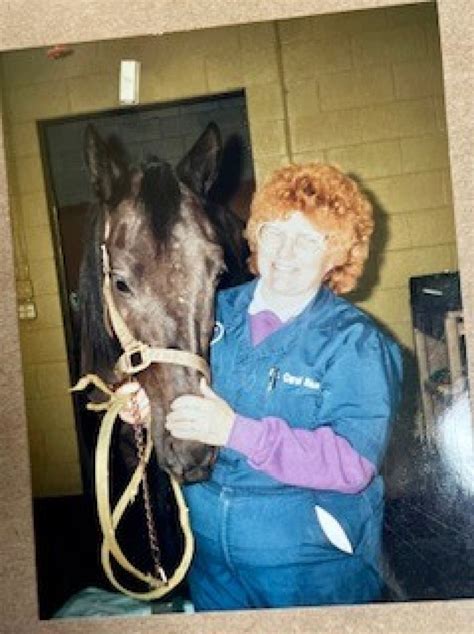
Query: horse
[(169, 247)]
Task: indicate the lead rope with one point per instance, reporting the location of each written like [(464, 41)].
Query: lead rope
[(137, 356), (155, 550), (110, 520)]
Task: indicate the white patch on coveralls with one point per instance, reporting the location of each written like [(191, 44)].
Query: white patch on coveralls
[(305, 381), (218, 333), (333, 530)]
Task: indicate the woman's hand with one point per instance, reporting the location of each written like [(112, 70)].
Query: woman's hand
[(137, 410), (207, 418)]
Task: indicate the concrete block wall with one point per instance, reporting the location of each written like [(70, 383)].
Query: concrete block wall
[(362, 90), (87, 81), (164, 130)]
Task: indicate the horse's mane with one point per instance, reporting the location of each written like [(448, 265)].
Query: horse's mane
[(99, 351)]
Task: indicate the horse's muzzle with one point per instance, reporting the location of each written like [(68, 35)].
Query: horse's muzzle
[(189, 461)]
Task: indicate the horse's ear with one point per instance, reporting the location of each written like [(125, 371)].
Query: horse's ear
[(107, 172), (199, 168)]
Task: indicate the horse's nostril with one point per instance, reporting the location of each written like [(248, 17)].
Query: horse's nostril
[(197, 474), (188, 462)]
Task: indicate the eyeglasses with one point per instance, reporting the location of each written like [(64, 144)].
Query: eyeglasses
[(271, 237)]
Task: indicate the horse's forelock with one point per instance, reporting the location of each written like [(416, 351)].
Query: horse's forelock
[(161, 196)]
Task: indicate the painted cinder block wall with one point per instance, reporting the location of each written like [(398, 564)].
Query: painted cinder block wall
[(365, 92), (362, 90)]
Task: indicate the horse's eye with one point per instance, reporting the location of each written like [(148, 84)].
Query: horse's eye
[(220, 276), (121, 286), (221, 271)]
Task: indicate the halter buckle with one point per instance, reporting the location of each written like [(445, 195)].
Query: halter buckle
[(135, 359)]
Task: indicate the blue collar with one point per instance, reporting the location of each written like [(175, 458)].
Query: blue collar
[(318, 315)]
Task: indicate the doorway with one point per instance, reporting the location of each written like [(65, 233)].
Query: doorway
[(166, 130)]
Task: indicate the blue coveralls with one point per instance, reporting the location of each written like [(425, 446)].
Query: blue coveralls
[(258, 541)]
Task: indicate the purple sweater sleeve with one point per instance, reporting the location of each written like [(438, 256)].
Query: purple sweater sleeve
[(317, 459)]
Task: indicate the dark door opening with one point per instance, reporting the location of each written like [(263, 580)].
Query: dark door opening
[(165, 130)]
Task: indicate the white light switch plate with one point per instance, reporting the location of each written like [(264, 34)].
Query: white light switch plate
[(129, 85)]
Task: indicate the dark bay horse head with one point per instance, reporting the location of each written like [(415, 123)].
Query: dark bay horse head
[(165, 259)]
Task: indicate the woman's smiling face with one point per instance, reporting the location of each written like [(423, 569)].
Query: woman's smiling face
[(292, 256)]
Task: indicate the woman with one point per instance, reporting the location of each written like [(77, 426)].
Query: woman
[(304, 387)]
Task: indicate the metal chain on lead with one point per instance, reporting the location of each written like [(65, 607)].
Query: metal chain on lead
[(138, 428)]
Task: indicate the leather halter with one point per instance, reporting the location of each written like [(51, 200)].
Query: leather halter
[(138, 356)]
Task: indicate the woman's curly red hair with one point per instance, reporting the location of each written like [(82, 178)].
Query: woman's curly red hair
[(332, 201)]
